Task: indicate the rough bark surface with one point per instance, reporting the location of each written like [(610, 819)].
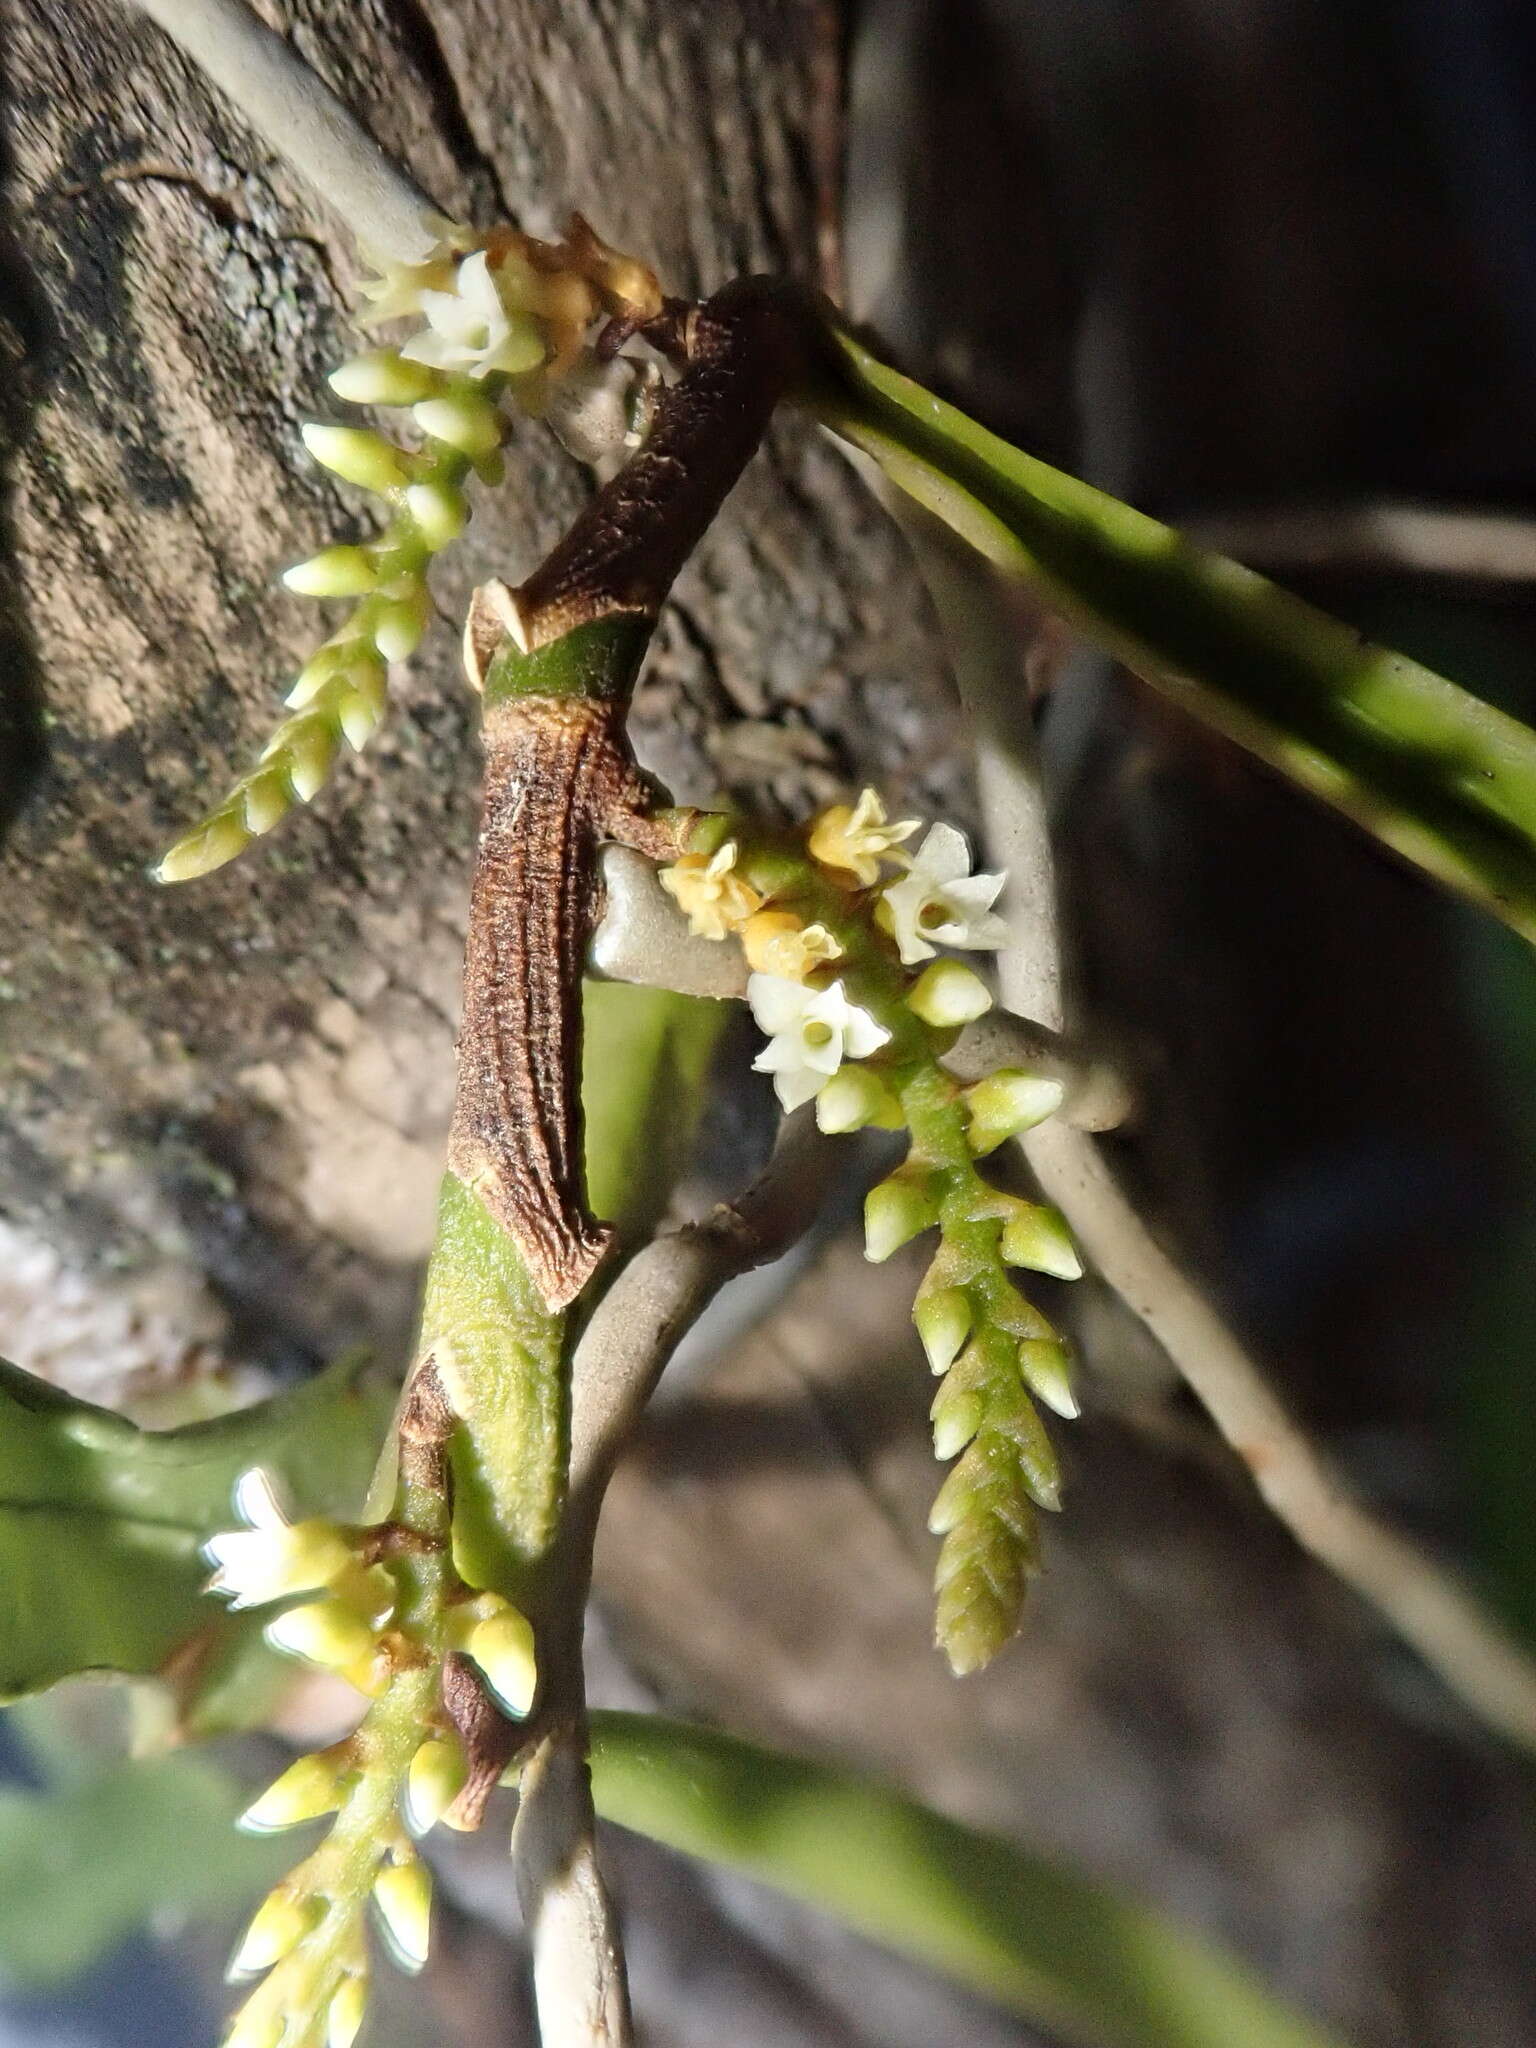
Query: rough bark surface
[(251, 1074)]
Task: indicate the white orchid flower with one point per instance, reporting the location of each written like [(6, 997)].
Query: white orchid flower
[(272, 1557), (810, 1033), (939, 902), (470, 330)]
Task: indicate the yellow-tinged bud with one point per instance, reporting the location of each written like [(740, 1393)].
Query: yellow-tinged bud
[(440, 512), (1008, 1102), (502, 1646), (382, 376), (326, 1632), (943, 1320), (334, 572), (281, 1922), (896, 1211), (307, 1789), (256, 2025), (854, 1098), (344, 2015), (399, 623), (357, 455), (403, 1894), (264, 801), (1047, 1370), (339, 652), (214, 842), (360, 703), (466, 421), (948, 993), (956, 1498), (777, 942), (304, 748), (434, 1781), (1036, 1236)]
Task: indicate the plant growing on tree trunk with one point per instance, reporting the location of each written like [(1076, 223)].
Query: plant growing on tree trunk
[(454, 1605)]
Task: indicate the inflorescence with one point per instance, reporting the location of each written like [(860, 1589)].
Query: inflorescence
[(859, 1004), (505, 318)]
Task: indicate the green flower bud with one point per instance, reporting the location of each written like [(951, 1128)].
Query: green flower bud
[(957, 1413), (265, 801), (1036, 1236), (324, 663), (382, 376), (357, 455), (949, 993), (334, 572), (943, 1320), (325, 1632), (344, 2015), (1008, 1102), (853, 1098), (439, 510), (304, 748), (256, 2026), (280, 1924), (399, 623), (466, 421), (307, 1789), (1047, 1370), (435, 1779), (207, 847), (502, 1646), (403, 1894), (360, 704), (896, 1211)]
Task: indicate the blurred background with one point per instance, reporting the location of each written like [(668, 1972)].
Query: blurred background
[(1268, 269)]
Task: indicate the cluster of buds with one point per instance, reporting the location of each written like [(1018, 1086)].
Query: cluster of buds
[(851, 945), (503, 317), (397, 1775)]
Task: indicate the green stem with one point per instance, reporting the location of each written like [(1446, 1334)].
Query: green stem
[(1444, 779), (1066, 1952)]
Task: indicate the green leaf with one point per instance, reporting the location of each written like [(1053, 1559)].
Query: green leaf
[(1442, 778), (102, 1857), (1067, 1953), (101, 1522)]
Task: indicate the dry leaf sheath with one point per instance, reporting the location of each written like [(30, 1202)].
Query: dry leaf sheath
[(557, 660)]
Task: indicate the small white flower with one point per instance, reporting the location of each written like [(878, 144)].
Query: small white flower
[(272, 1557), (810, 1033), (469, 328), (857, 840), (940, 899)]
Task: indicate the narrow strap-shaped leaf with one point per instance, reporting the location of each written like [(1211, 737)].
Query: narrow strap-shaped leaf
[(1441, 777), (1069, 1953)]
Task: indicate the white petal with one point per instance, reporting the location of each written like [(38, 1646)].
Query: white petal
[(944, 855), (776, 1002), (976, 892), (431, 349), (256, 1501), (782, 1054), (477, 287), (907, 899), (862, 1035), (822, 1059), (795, 1087)]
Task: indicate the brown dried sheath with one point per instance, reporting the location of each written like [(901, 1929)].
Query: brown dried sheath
[(560, 779)]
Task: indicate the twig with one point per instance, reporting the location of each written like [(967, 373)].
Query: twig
[(297, 115), (1448, 541), (1427, 1604), (577, 1960)]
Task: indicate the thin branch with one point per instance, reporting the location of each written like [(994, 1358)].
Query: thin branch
[(302, 120), (1428, 1605), (577, 1959), (1460, 542)]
